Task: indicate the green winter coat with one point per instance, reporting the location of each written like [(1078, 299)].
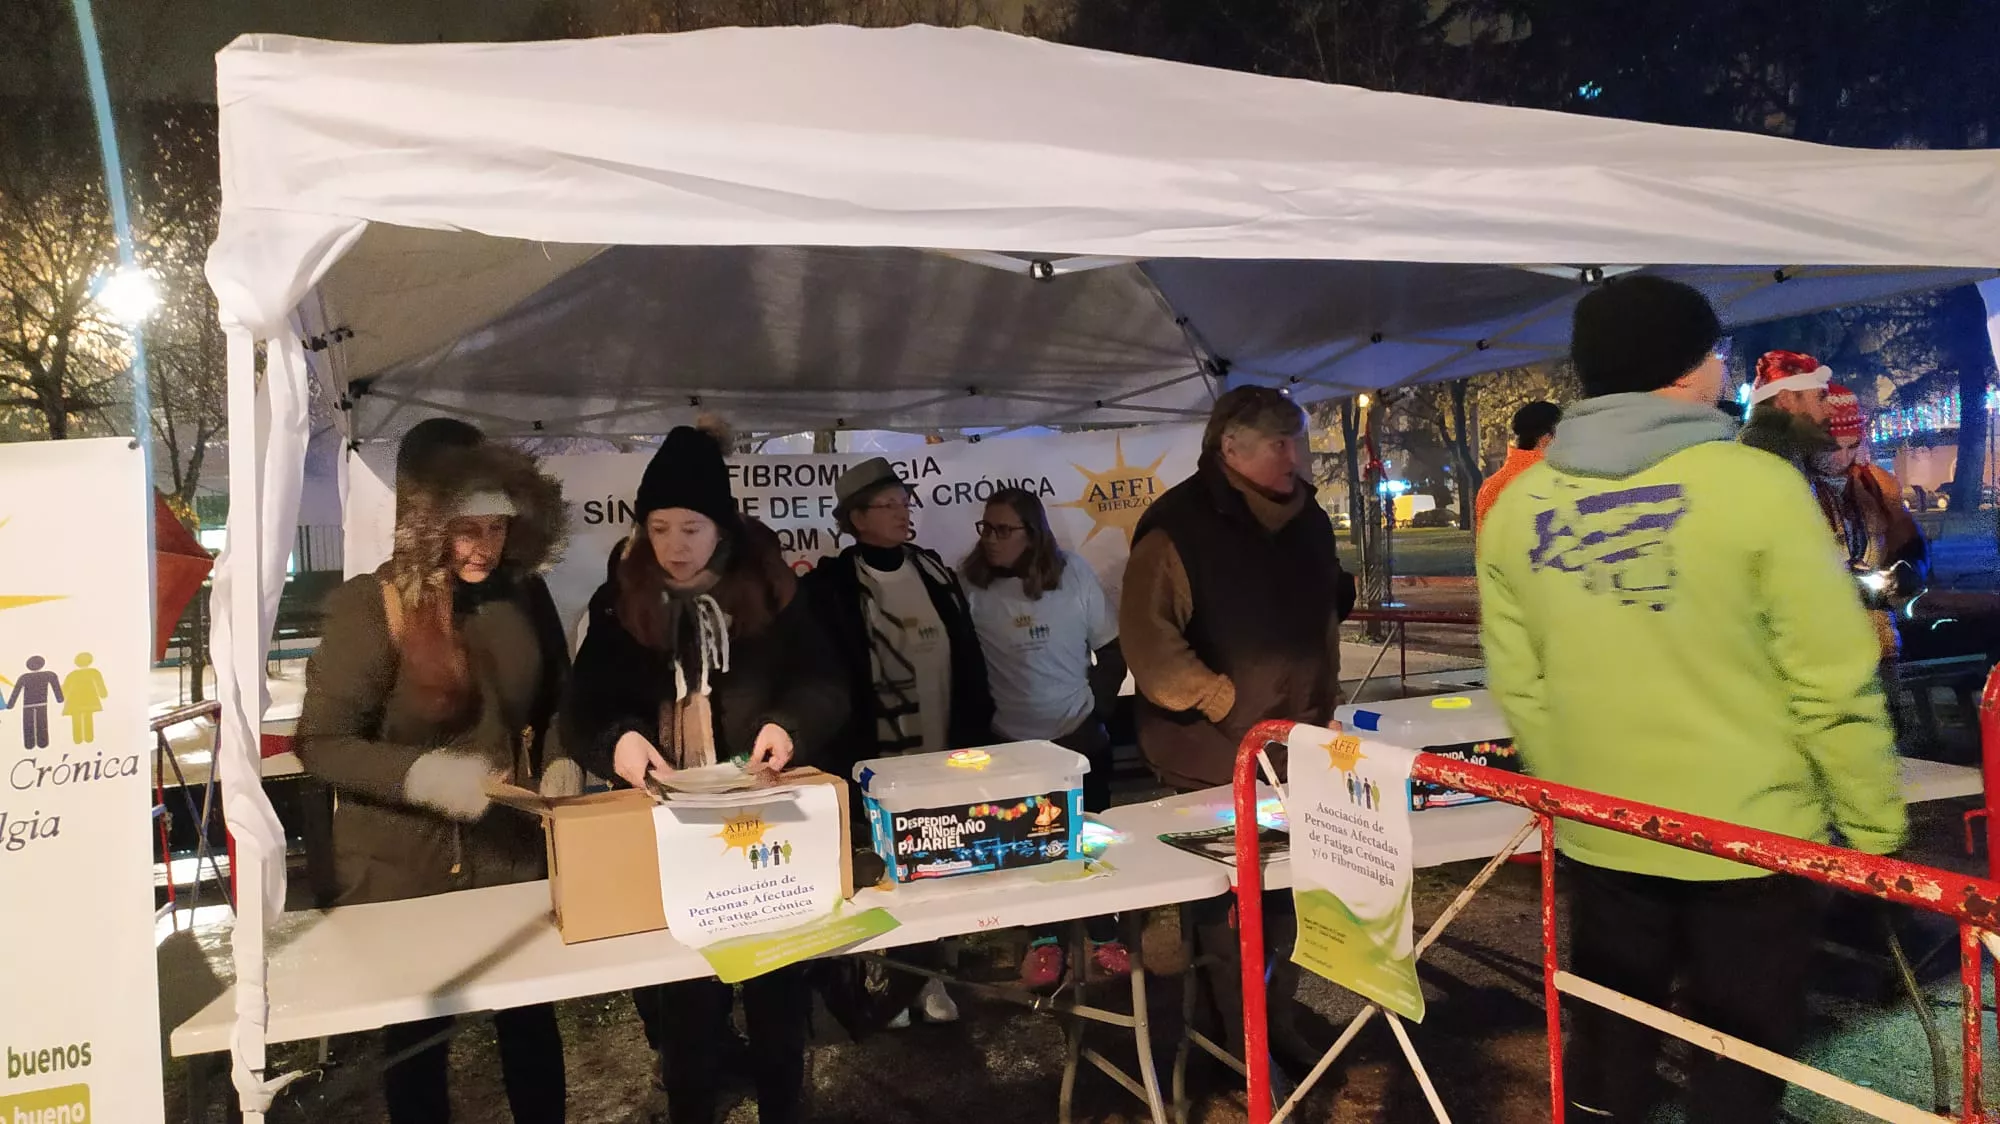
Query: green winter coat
[(1665, 620)]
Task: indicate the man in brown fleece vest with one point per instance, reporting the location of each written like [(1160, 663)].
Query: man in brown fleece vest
[(1233, 595), (1231, 615)]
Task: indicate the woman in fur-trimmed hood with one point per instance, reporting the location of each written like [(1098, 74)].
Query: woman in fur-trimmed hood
[(435, 676)]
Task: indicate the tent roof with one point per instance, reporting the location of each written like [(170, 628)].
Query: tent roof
[(1281, 226)]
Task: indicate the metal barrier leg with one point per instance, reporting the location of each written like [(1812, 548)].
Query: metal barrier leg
[(1250, 919), (1971, 971), (1550, 996), (1417, 1067)]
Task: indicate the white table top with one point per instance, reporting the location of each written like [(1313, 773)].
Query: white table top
[(1446, 835), (361, 967)]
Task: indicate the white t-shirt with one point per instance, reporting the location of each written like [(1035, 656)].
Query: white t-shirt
[(924, 643), (1038, 652)]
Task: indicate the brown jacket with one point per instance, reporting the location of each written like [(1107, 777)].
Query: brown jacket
[(1229, 616), (364, 732)]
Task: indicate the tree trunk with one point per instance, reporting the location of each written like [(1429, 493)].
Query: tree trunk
[(1350, 439), (1464, 451), (1969, 474), (1964, 347)]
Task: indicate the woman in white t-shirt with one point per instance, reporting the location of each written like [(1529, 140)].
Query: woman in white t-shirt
[(1051, 644)]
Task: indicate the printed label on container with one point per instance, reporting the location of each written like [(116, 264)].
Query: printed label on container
[(975, 838)]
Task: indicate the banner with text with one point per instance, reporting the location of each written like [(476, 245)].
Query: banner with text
[(82, 1024), (1352, 869), (1095, 485)]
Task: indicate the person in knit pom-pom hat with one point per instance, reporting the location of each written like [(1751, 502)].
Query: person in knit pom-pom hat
[(1662, 621), (1864, 508), (1788, 408), (702, 649)]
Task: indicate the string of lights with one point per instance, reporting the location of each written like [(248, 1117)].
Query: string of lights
[(1894, 425)]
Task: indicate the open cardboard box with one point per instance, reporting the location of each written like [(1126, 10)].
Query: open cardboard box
[(604, 860)]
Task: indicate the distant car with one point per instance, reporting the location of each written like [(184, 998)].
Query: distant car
[(1343, 521)]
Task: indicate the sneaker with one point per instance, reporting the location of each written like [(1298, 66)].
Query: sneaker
[(936, 1004), (1043, 966), (901, 1021), (1109, 959)]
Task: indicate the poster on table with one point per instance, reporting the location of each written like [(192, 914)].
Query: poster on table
[(756, 886), (1352, 869), (79, 1020), (1094, 485)]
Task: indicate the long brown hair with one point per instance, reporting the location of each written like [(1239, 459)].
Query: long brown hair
[(756, 583), (435, 662), (1041, 562)]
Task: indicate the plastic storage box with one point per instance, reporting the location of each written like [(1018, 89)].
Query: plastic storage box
[(934, 815), (1466, 726)]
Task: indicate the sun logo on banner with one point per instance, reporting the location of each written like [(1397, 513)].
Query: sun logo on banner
[(18, 600), (1119, 495), (1343, 752), (742, 831)]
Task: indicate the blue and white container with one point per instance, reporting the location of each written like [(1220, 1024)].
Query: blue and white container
[(1466, 727), (968, 811)]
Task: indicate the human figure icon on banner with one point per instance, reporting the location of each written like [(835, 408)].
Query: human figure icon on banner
[(756, 853), (31, 694), (786, 846), (83, 694)]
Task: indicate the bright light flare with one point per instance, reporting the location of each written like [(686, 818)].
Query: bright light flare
[(130, 295)]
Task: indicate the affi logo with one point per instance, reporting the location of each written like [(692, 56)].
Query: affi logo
[(67, 1104), (1118, 496)]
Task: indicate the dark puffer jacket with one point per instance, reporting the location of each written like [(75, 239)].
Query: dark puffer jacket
[(835, 585), (784, 674), (367, 732)]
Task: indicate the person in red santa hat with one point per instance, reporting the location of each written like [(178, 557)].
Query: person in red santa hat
[(1882, 543), (1788, 408)]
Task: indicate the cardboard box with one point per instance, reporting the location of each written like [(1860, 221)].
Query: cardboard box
[(604, 866)]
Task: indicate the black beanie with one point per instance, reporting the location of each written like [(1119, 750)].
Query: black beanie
[(688, 472), (1639, 334)]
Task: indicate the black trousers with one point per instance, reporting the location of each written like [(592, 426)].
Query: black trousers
[(531, 1068), (688, 1023), (1093, 740), (1741, 952), (1217, 936)]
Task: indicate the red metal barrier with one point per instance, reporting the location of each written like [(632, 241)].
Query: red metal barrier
[(1971, 901)]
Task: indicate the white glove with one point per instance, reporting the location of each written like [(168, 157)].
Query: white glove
[(451, 783), (562, 777)]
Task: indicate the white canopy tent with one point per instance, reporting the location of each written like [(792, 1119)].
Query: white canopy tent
[(828, 226)]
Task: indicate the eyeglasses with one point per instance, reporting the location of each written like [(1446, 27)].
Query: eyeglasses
[(887, 505), (997, 530)]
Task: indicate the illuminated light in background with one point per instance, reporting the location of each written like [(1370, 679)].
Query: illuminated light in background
[(129, 295), (1094, 838), (1590, 91), (1270, 813)]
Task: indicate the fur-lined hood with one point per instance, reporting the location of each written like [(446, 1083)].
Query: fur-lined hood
[(424, 508)]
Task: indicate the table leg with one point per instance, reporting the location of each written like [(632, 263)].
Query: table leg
[(1190, 998), (1142, 1029), (1073, 1033)]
